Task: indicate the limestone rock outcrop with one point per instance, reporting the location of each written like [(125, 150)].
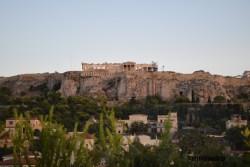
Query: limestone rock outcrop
[(123, 86)]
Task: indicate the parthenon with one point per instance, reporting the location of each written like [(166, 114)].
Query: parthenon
[(90, 69)]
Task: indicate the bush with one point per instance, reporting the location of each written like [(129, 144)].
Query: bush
[(182, 99), (220, 99)]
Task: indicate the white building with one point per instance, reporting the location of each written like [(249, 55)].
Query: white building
[(154, 126), (236, 121), (137, 118), (134, 118)]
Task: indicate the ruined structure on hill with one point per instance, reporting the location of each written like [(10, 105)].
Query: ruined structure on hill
[(123, 81), (107, 69)]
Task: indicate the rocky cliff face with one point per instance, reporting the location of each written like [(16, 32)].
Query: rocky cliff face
[(123, 86)]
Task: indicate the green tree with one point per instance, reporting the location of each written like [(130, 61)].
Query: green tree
[(109, 143), (220, 99), (138, 128), (181, 99), (5, 96), (52, 148), (246, 134), (22, 139), (140, 155), (235, 138), (167, 153)]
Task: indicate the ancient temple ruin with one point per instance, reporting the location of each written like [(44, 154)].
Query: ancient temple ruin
[(105, 69)]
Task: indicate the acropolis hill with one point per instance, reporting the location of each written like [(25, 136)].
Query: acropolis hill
[(123, 81)]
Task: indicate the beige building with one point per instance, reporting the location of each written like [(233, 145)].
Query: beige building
[(89, 139), (236, 121), (132, 119), (120, 127), (10, 124), (143, 139), (89, 142), (154, 126), (137, 118), (5, 139), (172, 118)]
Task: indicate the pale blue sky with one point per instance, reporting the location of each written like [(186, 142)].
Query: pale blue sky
[(184, 35)]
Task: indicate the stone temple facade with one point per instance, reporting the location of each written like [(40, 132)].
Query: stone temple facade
[(105, 69)]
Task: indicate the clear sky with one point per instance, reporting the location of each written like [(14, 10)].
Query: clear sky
[(184, 35)]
